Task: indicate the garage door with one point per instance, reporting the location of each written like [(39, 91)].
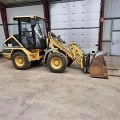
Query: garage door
[(21, 11), (77, 22), (2, 35)]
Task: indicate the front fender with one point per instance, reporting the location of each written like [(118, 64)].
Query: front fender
[(47, 53)]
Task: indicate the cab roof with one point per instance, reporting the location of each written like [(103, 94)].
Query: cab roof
[(29, 16)]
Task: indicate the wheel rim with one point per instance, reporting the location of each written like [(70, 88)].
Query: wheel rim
[(56, 63), (19, 60)]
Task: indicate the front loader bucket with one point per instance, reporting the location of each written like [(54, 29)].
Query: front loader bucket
[(98, 66)]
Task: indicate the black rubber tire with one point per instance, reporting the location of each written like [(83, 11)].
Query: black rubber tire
[(86, 64), (63, 59), (26, 63), (70, 61), (85, 69), (36, 62)]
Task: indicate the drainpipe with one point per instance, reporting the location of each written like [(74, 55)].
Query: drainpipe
[(4, 19)]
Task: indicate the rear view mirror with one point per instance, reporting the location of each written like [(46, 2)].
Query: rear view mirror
[(33, 22)]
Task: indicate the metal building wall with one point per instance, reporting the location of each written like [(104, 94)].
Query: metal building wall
[(2, 35), (111, 30), (116, 24), (78, 22), (112, 8), (21, 11), (107, 37)]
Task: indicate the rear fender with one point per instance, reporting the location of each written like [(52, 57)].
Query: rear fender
[(34, 55)]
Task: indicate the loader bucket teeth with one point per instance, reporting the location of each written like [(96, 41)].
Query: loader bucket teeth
[(98, 66)]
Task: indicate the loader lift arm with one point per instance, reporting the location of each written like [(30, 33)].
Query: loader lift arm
[(72, 50)]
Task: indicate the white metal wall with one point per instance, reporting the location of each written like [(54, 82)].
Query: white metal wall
[(2, 35), (18, 11), (111, 30), (112, 8), (115, 43), (116, 24), (77, 22)]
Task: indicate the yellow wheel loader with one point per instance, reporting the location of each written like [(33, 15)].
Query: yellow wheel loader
[(31, 44)]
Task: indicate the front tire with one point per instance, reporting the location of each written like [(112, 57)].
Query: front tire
[(20, 61), (57, 62), (86, 63), (70, 61)]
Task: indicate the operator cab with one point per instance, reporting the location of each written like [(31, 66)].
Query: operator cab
[(30, 31)]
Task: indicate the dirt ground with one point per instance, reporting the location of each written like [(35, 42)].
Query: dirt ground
[(39, 94)]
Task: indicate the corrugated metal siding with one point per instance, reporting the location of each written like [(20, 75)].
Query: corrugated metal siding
[(112, 13), (107, 30), (116, 24), (0, 20), (115, 44), (2, 35), (112, 8)]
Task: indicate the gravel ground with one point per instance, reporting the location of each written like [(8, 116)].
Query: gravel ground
[(39, 94)]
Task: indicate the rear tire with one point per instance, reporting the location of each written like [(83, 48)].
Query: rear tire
[(57, 62), (20, 61)]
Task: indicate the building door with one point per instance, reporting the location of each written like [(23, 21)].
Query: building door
[(77, 22), (115, 43)]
